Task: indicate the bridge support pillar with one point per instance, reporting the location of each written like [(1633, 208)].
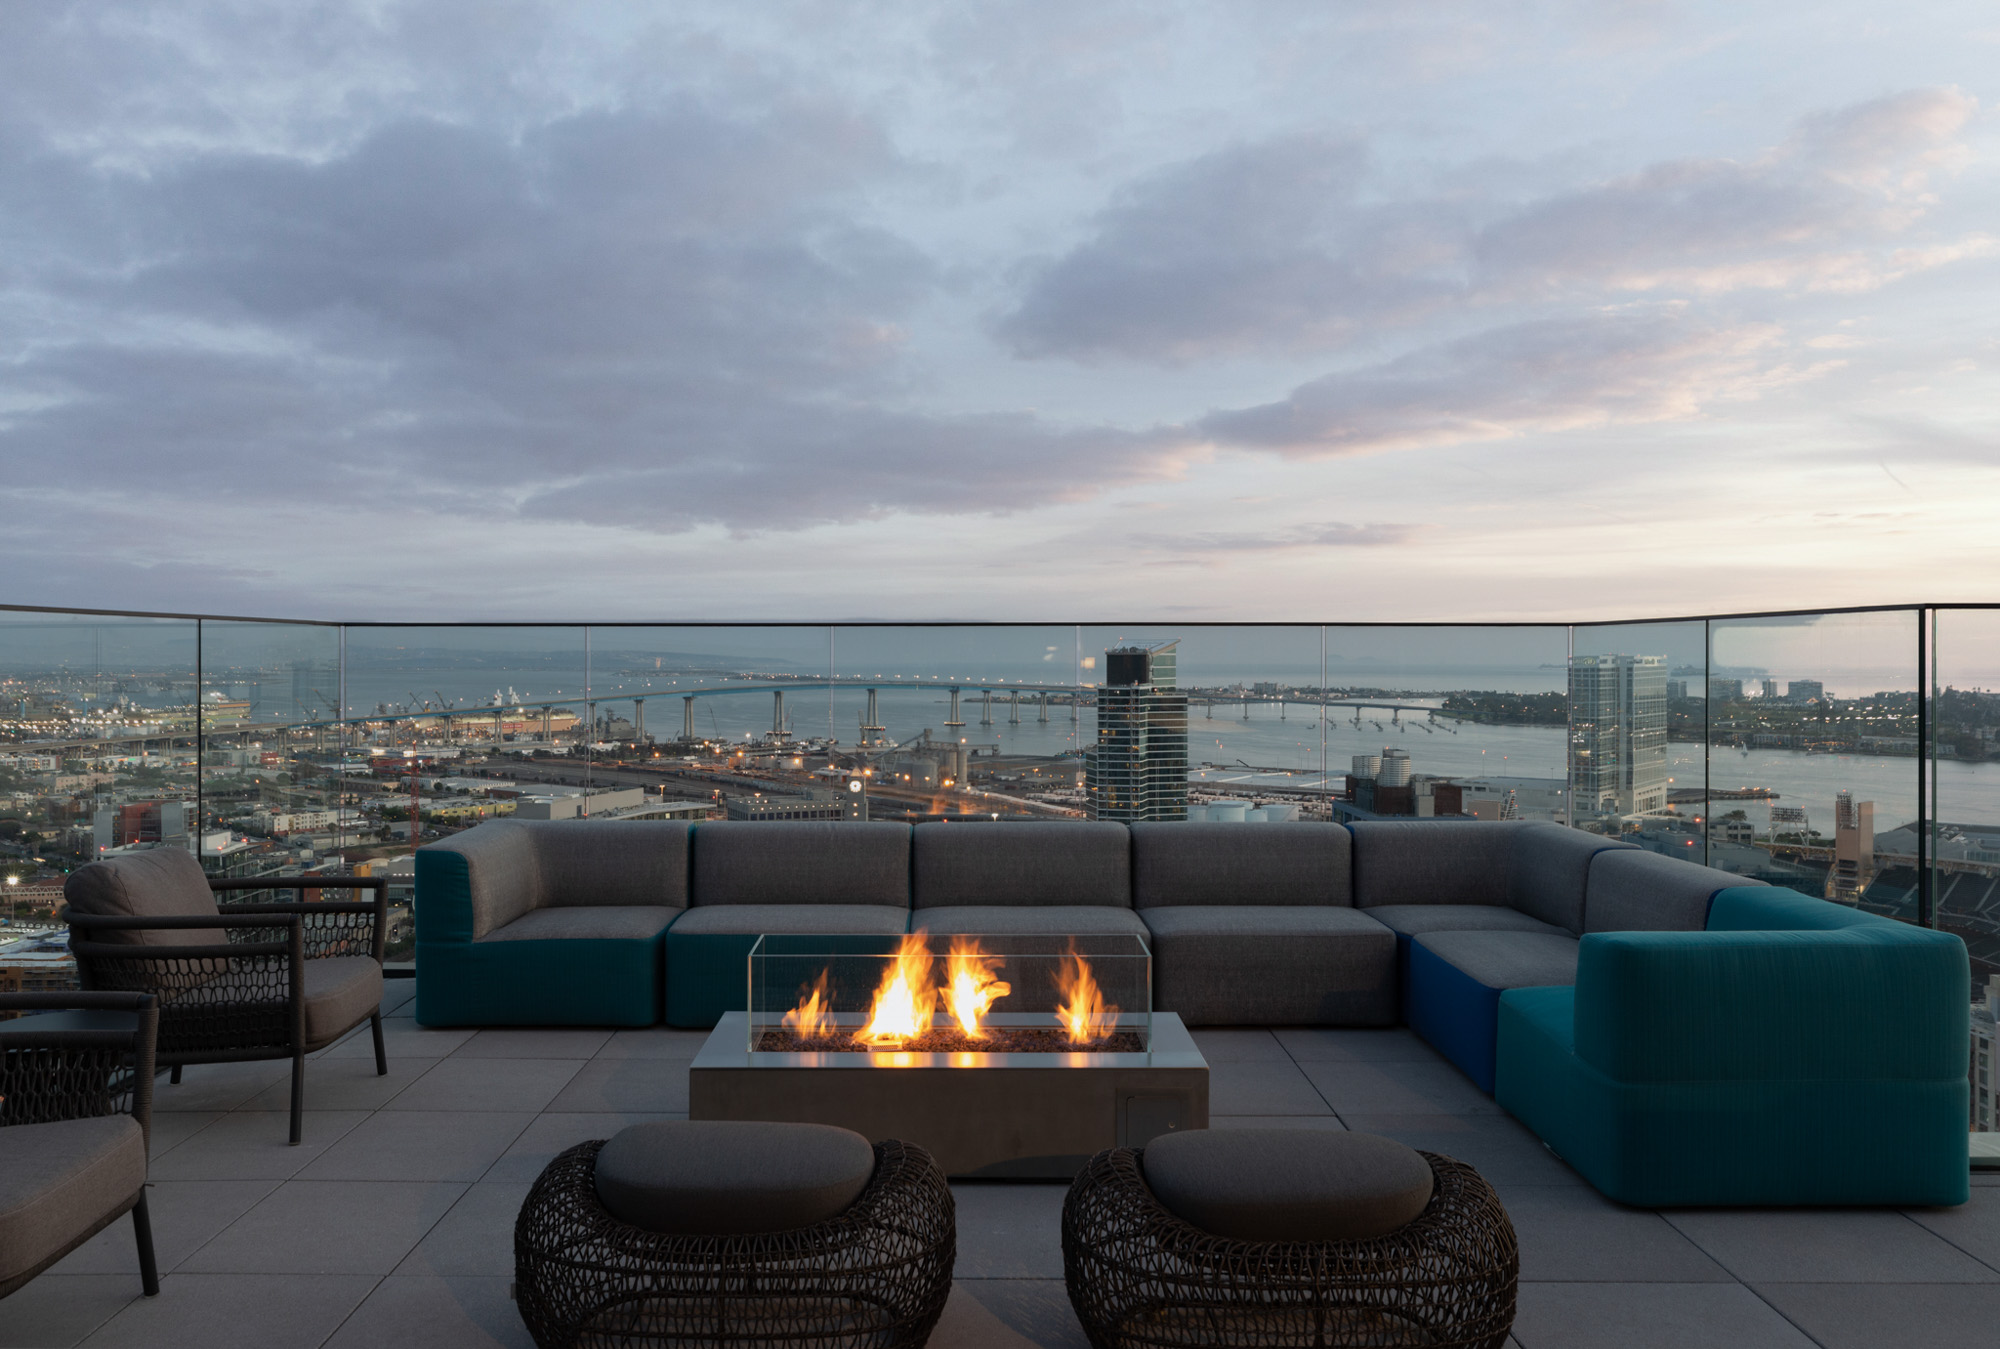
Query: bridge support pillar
[(1045, 708), (777, 711), (986, 707), (1014, 711), (954, 721), (871, 725)]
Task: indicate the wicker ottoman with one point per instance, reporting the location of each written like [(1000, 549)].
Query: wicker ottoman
[(1303, 1238), (724, 1233)]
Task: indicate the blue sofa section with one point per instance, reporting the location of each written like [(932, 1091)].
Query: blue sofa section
[(1795, 1052)]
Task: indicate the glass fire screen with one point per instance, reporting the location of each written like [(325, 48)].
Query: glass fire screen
[(954, 995)]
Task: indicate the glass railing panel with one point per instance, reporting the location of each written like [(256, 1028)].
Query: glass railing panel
[(272, 749), (946, 721), (1964, 846), (97, 755), (687, 719), (1214, 722), (1447, 721), (1637, 759), (1812, 730)]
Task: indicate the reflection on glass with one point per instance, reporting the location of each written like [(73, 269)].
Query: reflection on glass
[(960, 722), (272, 749), (1442, 721), (1964, 845), (1813, 768), (1637, 766)]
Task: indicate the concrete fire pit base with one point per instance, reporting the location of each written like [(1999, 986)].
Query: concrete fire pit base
[(1001, 1116)]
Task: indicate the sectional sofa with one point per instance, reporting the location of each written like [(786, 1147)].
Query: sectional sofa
[(1509, 947)]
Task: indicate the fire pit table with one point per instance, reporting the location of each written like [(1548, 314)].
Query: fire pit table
[(1006, 1056)]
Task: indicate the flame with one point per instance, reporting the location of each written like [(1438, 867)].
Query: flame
[(973, 987), (814, 1014), (1084, 1013), (905, 999)]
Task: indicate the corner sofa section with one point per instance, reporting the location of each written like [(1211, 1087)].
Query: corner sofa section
[(547, 923), (1792, 1052)]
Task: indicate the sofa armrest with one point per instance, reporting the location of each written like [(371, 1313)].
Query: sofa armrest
[(477, 881), (1865, 1002)]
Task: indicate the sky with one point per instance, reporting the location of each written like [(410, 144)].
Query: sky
[(1050, 312)]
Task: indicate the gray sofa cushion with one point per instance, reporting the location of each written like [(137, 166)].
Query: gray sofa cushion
[(1288, 1184), (1431, 861), (609, 862), (1507, 959), (1632, 890), (801, 862), (1414, 919), (725, 1177), (156, 883), (1040, 862), (613, 922), (503, 868), (58, 1180), (1550, 863), (747, 919), (1081, 920), (1278, 964), (341, 993), (1260, 864)]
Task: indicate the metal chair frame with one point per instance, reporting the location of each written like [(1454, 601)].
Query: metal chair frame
[(48, 1076), (262, 966)]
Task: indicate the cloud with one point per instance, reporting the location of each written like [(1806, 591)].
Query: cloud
[(1547, 375), (1301, 243), (1335, 534)]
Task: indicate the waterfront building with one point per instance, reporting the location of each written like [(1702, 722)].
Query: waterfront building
[(1138, 768), (1617, 735), (1804, 690)]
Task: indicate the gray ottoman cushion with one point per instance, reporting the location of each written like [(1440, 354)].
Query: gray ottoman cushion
[(1288, 1184), (726, 1177), (1508, 959)]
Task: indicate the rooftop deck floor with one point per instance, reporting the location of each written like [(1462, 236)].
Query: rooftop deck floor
[(392, 1224)]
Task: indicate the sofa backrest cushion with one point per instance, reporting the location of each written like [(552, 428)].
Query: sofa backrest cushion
[(801, 862), (157, 883), (1240, 864), (1551, 864), (482, 879), (1432, 861), (1633, 890), (1028, 864), (612, 862)]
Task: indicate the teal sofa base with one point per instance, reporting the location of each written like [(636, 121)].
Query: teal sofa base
[(1790, 1143), (583, 981), (708, 973)]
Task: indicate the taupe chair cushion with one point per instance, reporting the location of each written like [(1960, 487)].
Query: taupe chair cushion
[(341, 993), (156, 883), (1258, 864), (726, 1177), (1054, 920), (801, 862), (577, 922), (747, 919), (1288, 1184), (59, 1181), (1413, 920)]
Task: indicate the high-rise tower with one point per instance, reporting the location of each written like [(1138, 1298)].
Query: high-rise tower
[(1138, 768), (1617, 734)]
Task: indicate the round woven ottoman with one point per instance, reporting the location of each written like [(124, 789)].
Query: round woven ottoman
[(1278, 1237), (723, 1233)]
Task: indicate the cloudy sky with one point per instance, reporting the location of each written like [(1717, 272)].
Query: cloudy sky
[(998, 310)]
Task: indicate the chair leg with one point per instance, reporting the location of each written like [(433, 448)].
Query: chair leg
[(176, 1078), (142, 1229), (298, 1095), (381, 1054)]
